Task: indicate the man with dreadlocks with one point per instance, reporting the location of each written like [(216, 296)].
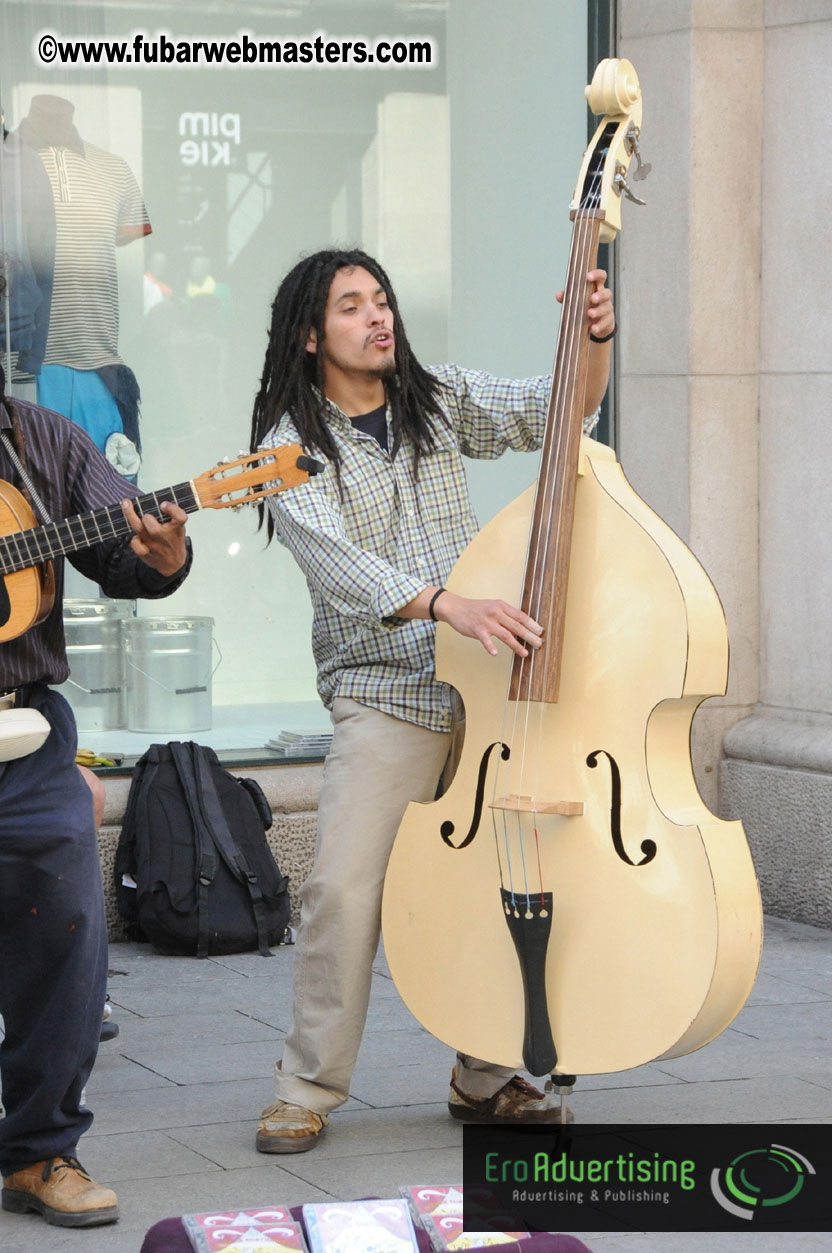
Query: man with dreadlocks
[(53, 933), (376, 537)]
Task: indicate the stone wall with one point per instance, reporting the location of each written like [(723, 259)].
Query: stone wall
[(726, 390)]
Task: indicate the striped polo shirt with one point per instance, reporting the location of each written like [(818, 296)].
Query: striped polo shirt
[(98, 206)]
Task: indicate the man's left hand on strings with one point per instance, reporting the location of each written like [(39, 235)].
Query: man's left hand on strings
[(600, 313), (161, 545)]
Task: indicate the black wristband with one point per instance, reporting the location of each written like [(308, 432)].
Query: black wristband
[(433, 601), (602, 339)]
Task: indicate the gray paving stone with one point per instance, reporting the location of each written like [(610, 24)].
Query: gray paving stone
[(356, 1131), (771, 990), (112, 1159), (253, 966), (768, 1099), (813, 973), (116, 1073), (176, 1095), (806, 1023), (210, 1063), (638, 1077), (717, 1242), (821, 1078), (422, 1084), (175, 1106), (390, 1013), (406, 1047), (785, 931), (149, 966), (144, 1202), (263, 1183), (378, 1174), (735, 1055), (230, 1027), (266, 1000)]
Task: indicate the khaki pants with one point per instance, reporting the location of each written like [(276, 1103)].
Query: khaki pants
[(376, 766)]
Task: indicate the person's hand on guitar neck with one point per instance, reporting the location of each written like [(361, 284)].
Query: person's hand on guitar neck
[(483, 620), (161, 545)]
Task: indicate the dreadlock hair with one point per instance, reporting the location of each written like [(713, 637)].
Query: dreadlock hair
[(291, 374)]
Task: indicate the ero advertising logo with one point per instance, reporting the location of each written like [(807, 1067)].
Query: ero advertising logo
[(760, 1178), (649, 1177)]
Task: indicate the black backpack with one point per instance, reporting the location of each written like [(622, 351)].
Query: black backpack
[(193, 840)]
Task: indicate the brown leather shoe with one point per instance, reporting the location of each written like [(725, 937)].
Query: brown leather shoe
[(62, 1191), (516, 1102), (286, 1128)]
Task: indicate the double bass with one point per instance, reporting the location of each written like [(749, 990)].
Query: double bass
[(570, 904)]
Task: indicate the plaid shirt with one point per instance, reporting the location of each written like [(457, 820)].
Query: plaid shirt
[(371, 553)]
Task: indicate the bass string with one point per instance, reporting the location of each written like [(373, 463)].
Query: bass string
[(576, 332), (581, 249), (552, 460)]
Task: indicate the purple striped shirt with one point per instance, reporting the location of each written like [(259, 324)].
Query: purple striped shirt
[(71, 477)]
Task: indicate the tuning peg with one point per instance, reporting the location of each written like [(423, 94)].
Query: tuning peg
[(642, 168), (621, 185)]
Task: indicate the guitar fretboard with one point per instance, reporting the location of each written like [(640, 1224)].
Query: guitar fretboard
[(37, 544)]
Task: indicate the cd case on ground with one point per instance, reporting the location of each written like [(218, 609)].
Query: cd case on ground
[(270, 1229), (360, 1227), (438, 1208)]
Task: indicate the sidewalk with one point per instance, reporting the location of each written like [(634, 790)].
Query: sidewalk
[(176, 1095)]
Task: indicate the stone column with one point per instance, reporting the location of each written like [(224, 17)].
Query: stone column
[(778, 769), (689, 304)]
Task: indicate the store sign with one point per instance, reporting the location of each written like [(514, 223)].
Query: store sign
[(209, 138)]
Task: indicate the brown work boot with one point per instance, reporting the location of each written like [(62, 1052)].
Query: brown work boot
[(62, 1191), (286, 1128), (516, 1102)]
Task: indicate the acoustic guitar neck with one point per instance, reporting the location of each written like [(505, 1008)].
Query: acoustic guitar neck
[(38, 544)]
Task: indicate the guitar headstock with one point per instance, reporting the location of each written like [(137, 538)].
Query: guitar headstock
[(254, 475), (614, 91)]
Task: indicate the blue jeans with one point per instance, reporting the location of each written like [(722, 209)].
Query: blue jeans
[(53, 944)]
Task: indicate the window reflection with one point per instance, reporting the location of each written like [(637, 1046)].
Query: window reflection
[(150, 212)]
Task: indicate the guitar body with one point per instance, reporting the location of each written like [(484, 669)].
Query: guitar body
[(26, 596), (643, 960)]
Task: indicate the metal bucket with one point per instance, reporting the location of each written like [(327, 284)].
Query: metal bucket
[(95, 687), (169, 673)]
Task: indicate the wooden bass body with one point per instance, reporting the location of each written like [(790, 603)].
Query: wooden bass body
[(655, 913)]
